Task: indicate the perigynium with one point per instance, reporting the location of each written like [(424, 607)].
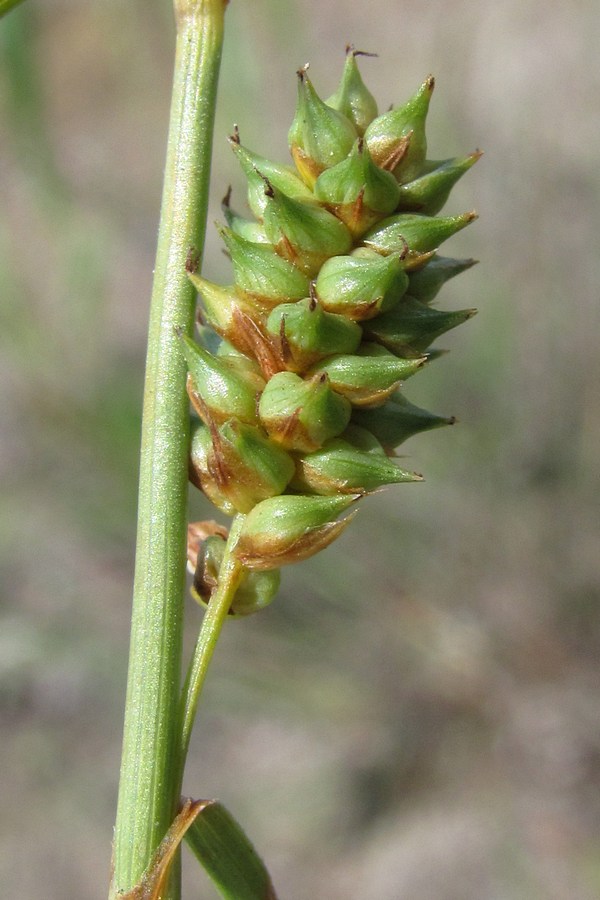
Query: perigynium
[(301, 407)]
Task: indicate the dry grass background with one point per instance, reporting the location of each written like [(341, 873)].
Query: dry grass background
[(417, 716)]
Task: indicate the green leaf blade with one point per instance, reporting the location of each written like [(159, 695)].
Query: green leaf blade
[(227, 855)]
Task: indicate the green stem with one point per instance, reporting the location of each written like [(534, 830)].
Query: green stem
[(149, 785), (214, 619)]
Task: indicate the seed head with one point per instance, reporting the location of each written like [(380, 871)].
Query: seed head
[(300, 408)]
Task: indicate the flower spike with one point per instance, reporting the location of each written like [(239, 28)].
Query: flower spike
[(328, 315)]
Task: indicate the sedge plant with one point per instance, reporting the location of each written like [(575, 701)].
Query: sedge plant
[(295, 416)]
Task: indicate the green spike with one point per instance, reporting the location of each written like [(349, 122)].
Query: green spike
[(352, 98), (304, 234), (287, 529), (397, 420), (340, 468), (319, 136), (255, 590), (368, 378), (397, 139), (237, 466), (306, 333), (332, 350), (412, 325), (425, 283), (220, 392), (421, 234), (261, 274), (357, 190), (361, 287), (428, 193), (256, 168), (302, 414)]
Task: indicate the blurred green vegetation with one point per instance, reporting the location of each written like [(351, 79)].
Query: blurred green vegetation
[(417, 715)]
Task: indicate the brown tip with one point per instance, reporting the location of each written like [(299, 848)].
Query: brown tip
[(235, 137), (350, 50), (226, 201), (452, 420), (301, 72), (430, 82)]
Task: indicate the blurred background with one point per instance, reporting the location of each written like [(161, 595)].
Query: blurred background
[(417, 717)]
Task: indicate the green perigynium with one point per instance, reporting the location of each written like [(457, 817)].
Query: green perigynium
[(301, 407)]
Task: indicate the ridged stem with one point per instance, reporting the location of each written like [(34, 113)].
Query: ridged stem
[(150, 769)]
